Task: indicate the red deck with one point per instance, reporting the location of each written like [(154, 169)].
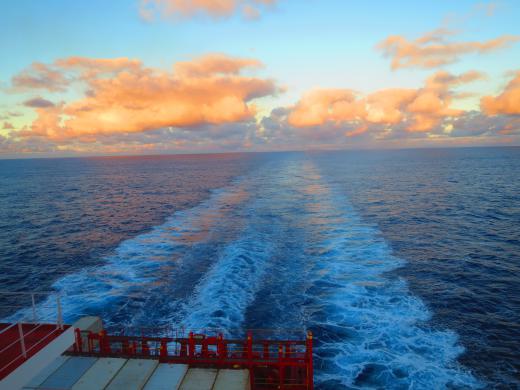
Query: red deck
[(35, 337)]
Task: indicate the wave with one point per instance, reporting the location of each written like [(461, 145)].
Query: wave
[(121, 287), (281, 240), (370, 330)]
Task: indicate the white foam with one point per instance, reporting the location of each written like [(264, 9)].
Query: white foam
[(223, 295), (137, 262), (373, 331), (230, 286)]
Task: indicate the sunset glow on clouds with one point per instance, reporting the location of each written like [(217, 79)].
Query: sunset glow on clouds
[(508, 102), (124, 96), (420, 109), (433, 49), (250, 9), (212, 101)]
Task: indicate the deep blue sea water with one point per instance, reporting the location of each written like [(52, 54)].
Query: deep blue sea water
[(405, 264)]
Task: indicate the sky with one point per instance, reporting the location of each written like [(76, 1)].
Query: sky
[(194, 76)]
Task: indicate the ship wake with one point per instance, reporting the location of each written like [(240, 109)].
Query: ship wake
[(279, 248)]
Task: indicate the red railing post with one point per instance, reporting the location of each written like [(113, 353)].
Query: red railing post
[(310, 368), (22, 340), (184, 349), (249, 347), (204, 348), (250, 358), (145, 349), (281, 367), (266, 351), (104, 342), (78, 345), (220, 346), (163, 352), (191, 347), (125, 347)]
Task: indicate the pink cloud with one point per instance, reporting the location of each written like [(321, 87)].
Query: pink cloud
[(212, 64), (40, 76), (507, 102), (433, 49), (419, 110), (217, 9), (38, 102), (124, 96)]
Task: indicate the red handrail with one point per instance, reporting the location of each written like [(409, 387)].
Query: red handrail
[(281, 364)]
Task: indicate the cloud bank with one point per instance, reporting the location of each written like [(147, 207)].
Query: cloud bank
[(124, 96), (208, 104), (419, 110), (336, 118)]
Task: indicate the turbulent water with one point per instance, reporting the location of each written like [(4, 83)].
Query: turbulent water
[(404, 264)]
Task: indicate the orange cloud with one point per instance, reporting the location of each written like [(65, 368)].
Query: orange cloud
[(92, 67), (134, 98), (432, 49), (420, 110), (508, 102), (214, 64), (326, 105), (217, 9)]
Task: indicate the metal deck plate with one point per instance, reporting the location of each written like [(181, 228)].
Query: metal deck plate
[(39, 378), (232, 380), (133, 375), (199, 379), (167, 377), (68, 373), (100, 374)]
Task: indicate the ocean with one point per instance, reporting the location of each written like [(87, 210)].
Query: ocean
[(405, 264)]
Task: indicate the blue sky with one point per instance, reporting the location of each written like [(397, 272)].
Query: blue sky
[(303, 44)]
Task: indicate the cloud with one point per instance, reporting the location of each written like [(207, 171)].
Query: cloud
[(40, 76), (216, 9), (8, 126), (212, 64), (508, 102), (124, 96), (397, 117), (207, 105), (38, 102), (207, 138), (475, 123), (433, 49), (488, 9), (467, 129), (326, 105), (417, 110), (250, 13), (29, 146)]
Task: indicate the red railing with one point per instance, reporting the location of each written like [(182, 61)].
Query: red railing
[(19, 342), (273, 364)]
